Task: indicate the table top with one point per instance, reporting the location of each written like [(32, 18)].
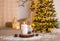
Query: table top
[(8, 35)]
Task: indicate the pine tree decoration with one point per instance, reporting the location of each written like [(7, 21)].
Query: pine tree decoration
[(44, 15)]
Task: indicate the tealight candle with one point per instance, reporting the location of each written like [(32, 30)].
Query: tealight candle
[(17, 27), (14, 25)]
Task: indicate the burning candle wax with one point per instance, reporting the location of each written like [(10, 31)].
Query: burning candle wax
[(24, 28)]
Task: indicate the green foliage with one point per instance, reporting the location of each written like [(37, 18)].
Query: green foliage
[(44, 18)]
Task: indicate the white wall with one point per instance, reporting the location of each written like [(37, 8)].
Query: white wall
[(1, 12), (11, 10), (57, 7)]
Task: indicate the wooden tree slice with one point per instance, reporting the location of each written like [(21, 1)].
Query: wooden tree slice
[(26, 36)]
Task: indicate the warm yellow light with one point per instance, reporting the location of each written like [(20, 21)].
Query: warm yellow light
[(33, 24), (15, 26)]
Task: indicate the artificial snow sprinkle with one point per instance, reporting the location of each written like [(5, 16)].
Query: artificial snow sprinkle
[(19, 38)]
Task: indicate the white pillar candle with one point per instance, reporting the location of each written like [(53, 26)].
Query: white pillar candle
[(24, 29)]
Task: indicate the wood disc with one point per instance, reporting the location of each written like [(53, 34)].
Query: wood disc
[(26, 35)]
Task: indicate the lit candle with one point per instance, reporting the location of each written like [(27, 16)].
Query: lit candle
[(14, 25), (24, 28), (17, 27)]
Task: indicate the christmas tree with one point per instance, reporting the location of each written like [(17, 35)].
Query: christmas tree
[(44, 15)]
